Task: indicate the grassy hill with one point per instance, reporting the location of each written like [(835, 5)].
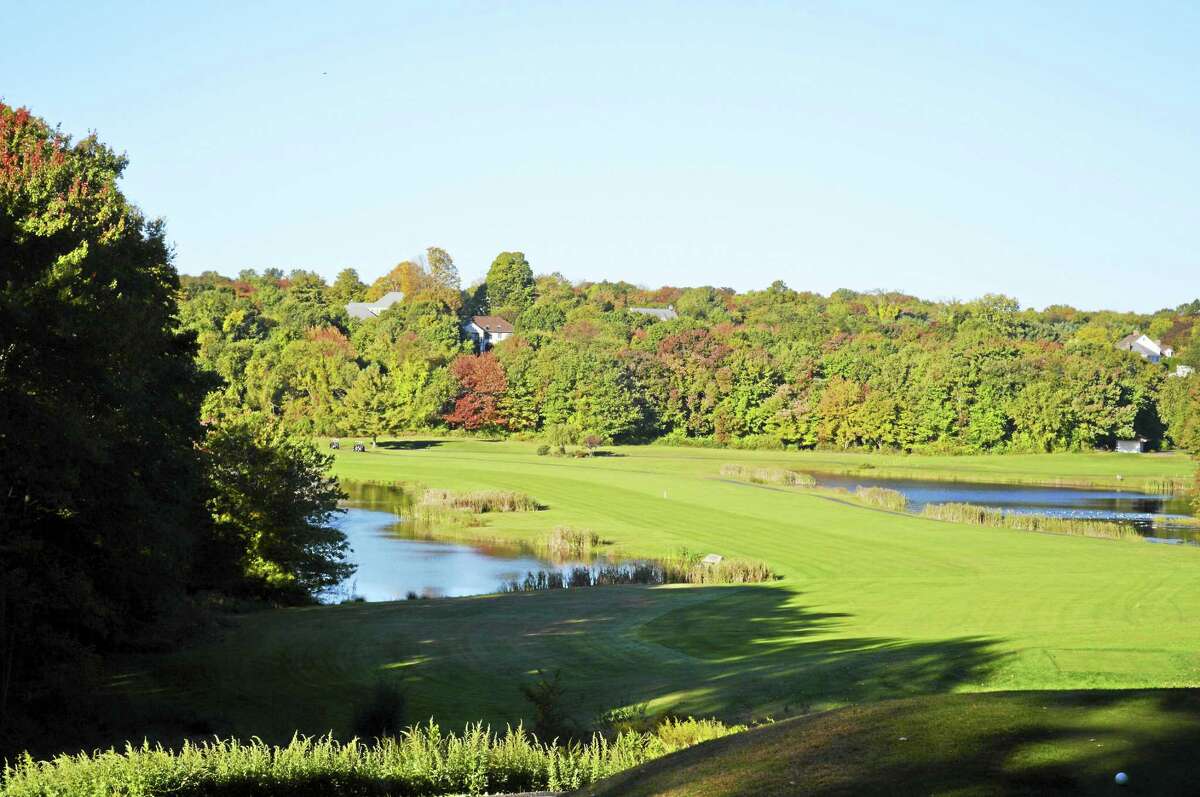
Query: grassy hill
[(999, 743), (872, 605)]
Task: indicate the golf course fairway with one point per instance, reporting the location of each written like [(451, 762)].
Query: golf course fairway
[(871, 605)]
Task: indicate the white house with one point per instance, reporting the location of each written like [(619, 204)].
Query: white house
[(361, 310), (1145, 347), (662, 314), (487, 330)]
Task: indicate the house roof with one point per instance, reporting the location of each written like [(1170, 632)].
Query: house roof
[(661, 313), (1143, 343), (491, 323), (369, 309)]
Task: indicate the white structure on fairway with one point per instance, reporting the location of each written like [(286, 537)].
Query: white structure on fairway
[(1146, 348), (662, 314), (361, 310), (487, 331)]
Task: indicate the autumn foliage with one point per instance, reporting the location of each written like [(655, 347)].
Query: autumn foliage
[(481, 385)]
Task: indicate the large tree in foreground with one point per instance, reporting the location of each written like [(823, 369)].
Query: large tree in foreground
[(99, 398)]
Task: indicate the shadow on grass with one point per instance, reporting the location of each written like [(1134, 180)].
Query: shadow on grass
[(408, 445), (763, 642), (993, 743), (734, 652)]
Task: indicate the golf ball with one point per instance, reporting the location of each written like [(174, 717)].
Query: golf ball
[(1121, 778)]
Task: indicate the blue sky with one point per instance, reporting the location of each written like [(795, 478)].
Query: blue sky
[(1044, 150)]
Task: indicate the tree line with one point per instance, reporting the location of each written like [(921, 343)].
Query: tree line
[(769, 368)]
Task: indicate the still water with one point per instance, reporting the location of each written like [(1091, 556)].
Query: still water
[(391, 565), (1154, 515)]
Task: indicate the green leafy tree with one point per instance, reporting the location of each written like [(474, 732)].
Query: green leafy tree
[(347, 287), (442, 270), (99, 412), (272, 503), (510, 287)]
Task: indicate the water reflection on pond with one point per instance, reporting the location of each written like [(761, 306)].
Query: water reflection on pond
[(1153, 515)]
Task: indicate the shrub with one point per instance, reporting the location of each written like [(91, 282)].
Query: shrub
[(547, 695), (543, 450), (480, 502), (420, 761), (882, 498), (996, 518), (789, 478)]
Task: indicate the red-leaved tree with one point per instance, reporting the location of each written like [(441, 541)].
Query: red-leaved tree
[(482, 383)]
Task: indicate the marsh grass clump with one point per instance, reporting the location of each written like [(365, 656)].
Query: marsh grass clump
[(686, 568), (480, 502), (996, 518), (779, 476), (567, 543), (422, 760), (882, 498)]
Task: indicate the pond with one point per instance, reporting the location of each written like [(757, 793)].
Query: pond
[(394, 562), (1158, 516)]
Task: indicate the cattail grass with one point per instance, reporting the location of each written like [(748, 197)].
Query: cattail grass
[(480, 502), (566, 543), (996, 518), (787, 478), (882, 498)]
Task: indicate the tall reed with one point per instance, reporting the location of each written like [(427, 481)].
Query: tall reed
[(780, 476), (682, 569), (565, 543), (480, 502), (996, 518), (882, 498)]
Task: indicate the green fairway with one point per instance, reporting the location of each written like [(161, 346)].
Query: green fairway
[(1004, 743), (872, 605)]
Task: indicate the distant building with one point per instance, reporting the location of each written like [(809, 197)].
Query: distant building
[(662, 314), (1135, 446), (361, 310), (1145, 347), (1182, 371), (487, 330)]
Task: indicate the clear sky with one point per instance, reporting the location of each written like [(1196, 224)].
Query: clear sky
[(1050, 151)]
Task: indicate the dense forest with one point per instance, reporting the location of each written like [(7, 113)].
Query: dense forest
[(770, 368)]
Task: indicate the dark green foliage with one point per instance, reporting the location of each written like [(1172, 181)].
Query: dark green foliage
[(548, 697), (382, 713), (99, 397), (271, 503)]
